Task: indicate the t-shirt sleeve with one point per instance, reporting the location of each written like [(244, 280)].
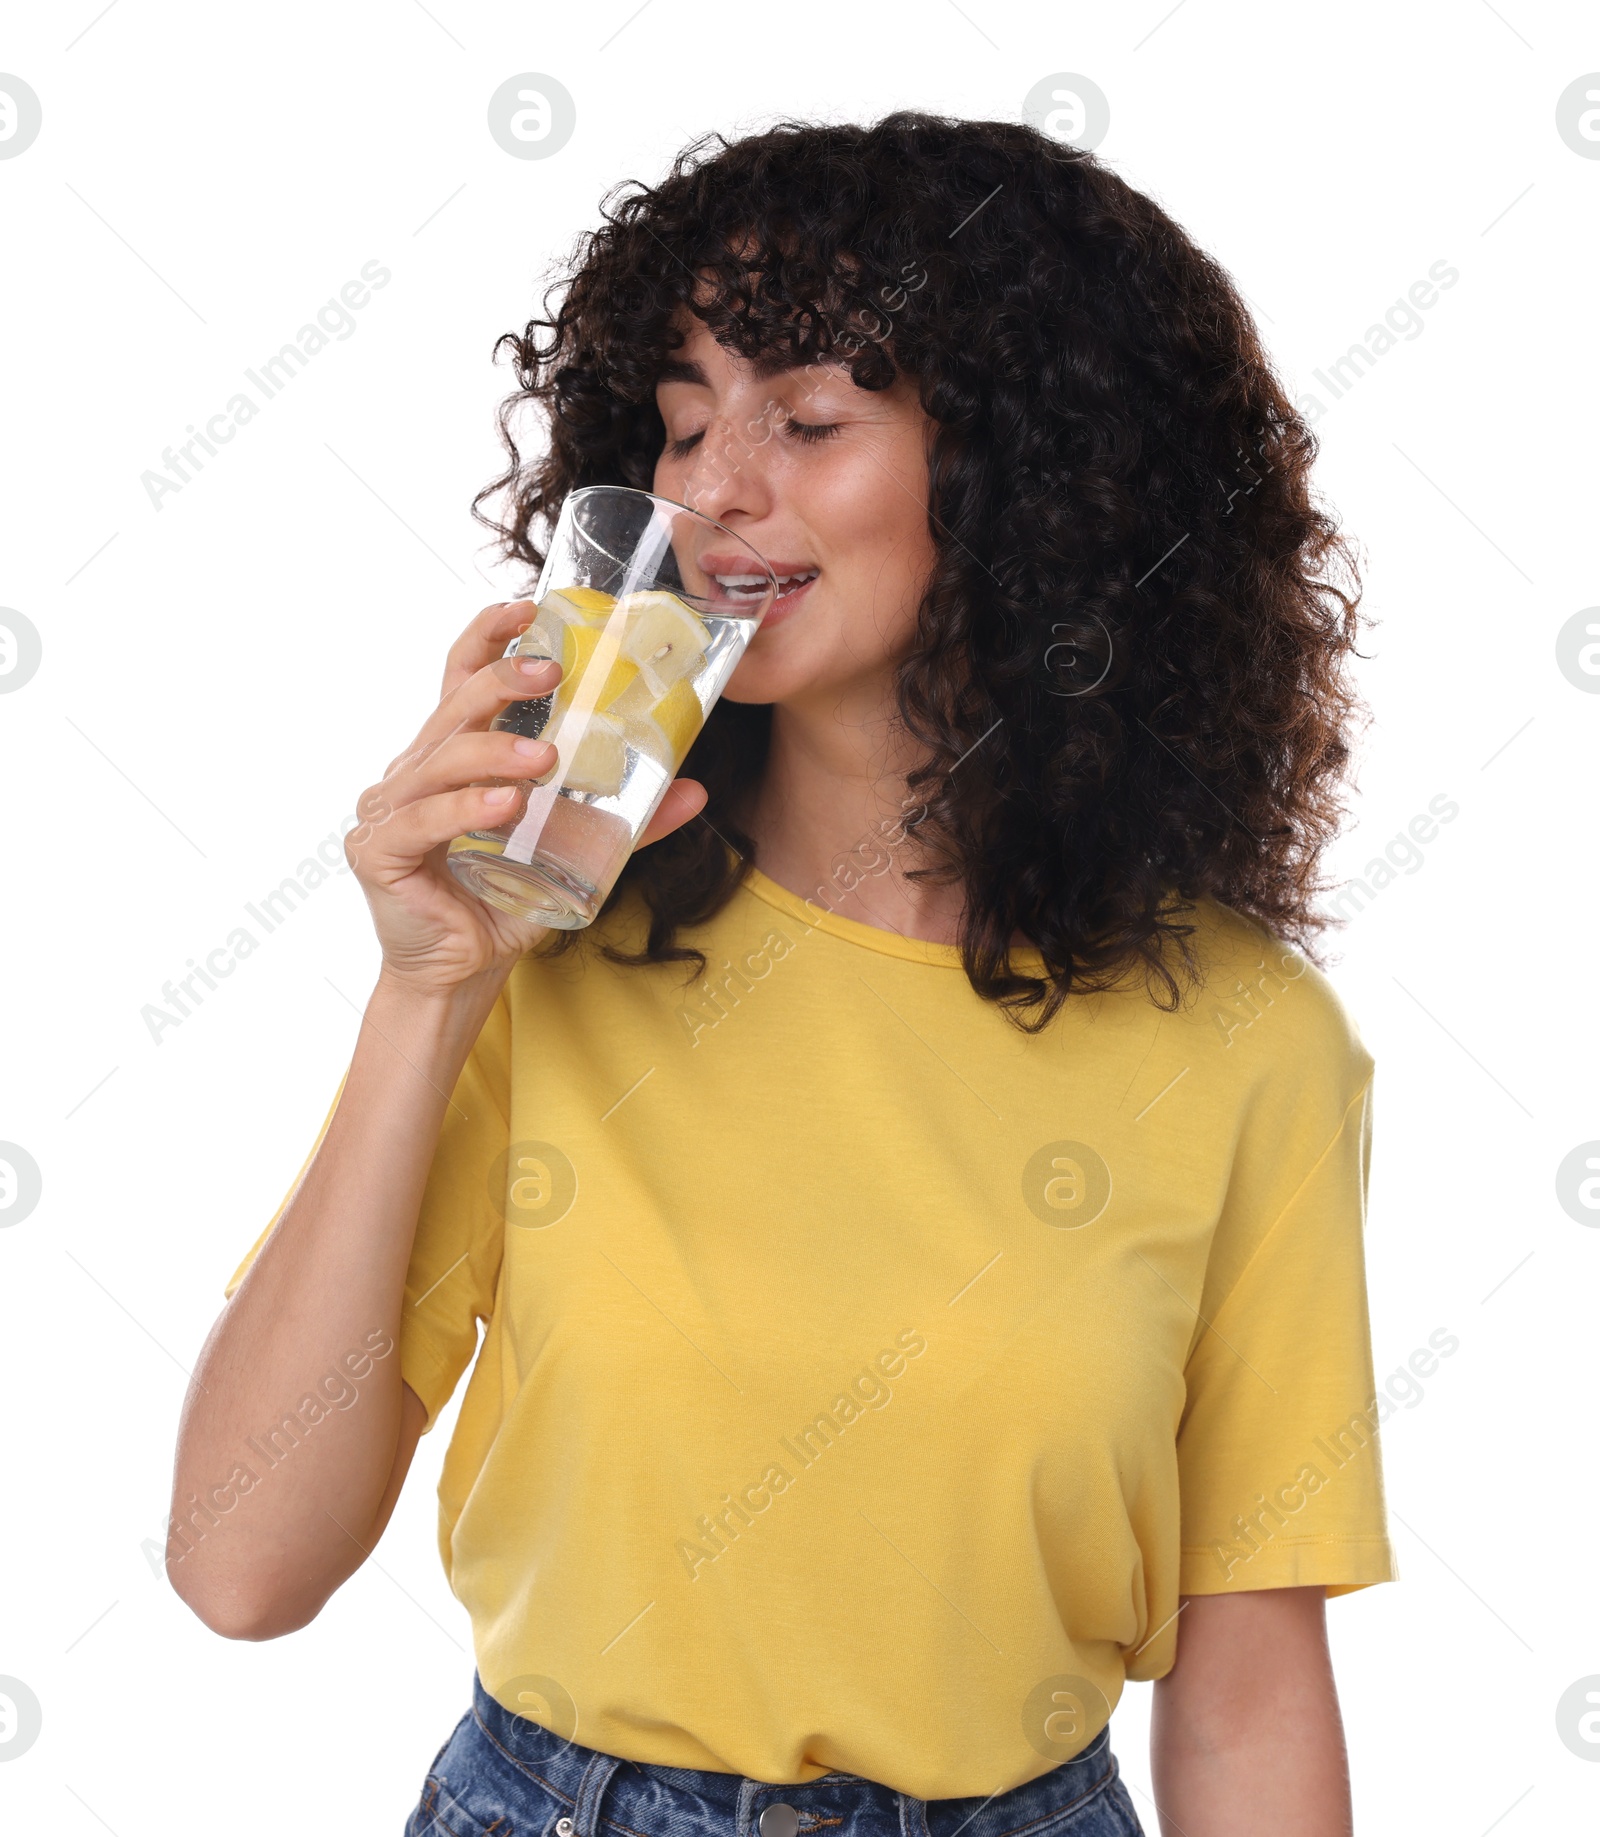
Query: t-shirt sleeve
[(455, 1257), (1279, 1467)]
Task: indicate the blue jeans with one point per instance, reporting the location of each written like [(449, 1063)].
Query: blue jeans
[(502, 1775)]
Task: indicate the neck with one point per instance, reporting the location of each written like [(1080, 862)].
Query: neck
[(828, 818)]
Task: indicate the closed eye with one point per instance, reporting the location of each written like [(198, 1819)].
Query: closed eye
[(810, 430), (807, 431)]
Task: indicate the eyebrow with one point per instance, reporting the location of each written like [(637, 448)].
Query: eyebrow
[(765, 364)]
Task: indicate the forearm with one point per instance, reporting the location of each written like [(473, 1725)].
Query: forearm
[(271, 1515), (1250, 1743)]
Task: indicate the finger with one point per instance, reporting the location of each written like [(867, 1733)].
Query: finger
[(462, 759), (681, 802), (484, 640), (474, 703), (392, 839)]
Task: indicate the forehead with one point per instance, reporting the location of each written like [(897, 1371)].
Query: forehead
[(765, 366)]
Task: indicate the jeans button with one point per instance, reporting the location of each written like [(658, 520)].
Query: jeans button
[(779, 1821)]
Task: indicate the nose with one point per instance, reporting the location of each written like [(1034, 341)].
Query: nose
[(729, 479)]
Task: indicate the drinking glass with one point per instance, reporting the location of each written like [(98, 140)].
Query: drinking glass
[(647, 606)]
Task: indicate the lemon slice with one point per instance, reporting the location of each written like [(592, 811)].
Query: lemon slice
[(663, 637), (663, 726), (581, 606), (680, 717), (578, 644), (600, 759), (587, 602)]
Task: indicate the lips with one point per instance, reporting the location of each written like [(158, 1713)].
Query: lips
[(738, 580), (787, 602)]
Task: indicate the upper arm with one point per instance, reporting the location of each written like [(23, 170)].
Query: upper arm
[(1242, 1652), (1245, 1731)]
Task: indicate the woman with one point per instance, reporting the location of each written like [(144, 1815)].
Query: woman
[(918, 1226)]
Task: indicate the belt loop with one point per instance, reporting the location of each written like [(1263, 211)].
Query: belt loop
[(744, 1819), (586, 1807), (914, 1815)]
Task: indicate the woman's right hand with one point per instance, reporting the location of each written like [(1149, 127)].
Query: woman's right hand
[(436, 936)]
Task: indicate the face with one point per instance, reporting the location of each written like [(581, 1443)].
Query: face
[(827, 481)]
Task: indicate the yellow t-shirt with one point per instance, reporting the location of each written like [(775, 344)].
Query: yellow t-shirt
[(863, 1380)]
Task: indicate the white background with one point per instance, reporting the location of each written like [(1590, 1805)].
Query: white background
[(223, 675)]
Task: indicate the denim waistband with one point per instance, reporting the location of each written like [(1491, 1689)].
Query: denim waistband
[(596, 1789)]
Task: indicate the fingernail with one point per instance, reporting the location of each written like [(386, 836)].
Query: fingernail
[(530, 666), (501, 794), (529, 746)]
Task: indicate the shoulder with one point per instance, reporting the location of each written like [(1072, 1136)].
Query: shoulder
[(1260, 1006)]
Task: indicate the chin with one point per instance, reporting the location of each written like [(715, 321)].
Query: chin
[(783, 672), (752, 691)]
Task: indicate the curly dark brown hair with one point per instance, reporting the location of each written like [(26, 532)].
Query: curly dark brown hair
[(1129, 669)]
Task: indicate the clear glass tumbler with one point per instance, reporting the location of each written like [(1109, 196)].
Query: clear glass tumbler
[(647, 606)]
